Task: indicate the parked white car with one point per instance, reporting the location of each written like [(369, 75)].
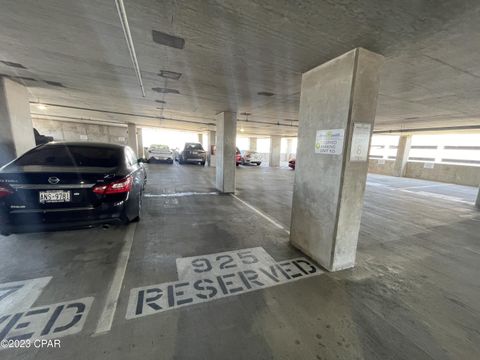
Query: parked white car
[(250, 157), (159, 153)]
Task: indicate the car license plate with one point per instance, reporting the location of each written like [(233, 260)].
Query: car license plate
[(54, 196), (194, 152)]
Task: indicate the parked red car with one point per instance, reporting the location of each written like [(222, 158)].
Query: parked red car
[(238, 157), (291, 164)]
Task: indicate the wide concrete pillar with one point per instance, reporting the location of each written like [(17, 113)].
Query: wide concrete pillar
[(337, 112), (212, 141), (16, 129), (226, 140), (200, 138), (275, 145), (401, 159), (252, 144), (132, 137), (140, 151)]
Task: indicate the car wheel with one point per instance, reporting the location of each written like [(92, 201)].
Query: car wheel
[(170, 161), (202, 163)]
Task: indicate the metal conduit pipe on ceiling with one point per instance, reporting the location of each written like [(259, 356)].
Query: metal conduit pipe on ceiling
[(122, 14)]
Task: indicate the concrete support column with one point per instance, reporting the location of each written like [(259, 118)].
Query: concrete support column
[(132, 137), (200, 138), (275, 145), (226, 139), (337, 112), (252, 144), (212, 141), (140, 152), (402, 155), (16, 134)]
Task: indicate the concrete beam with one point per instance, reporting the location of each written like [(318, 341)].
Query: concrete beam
[(132, 137), (401, 159), (16, 134), (226, 140), (337, 112), (275, 146)]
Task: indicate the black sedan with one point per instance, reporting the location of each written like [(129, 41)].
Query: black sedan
[(61, 185), (192, 153)]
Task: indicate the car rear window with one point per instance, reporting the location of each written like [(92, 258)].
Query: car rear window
[(194, 147), (159, 147), (76, 156)]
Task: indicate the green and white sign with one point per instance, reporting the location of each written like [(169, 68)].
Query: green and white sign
[(329, 141)]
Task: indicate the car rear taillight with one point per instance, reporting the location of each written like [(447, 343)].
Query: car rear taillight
[(5, 191), (117, 187)]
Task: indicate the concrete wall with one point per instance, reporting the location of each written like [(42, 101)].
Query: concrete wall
[(375, 166), (454, 174), (72, 131)]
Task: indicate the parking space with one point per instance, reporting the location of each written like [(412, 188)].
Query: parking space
[(381, 309)]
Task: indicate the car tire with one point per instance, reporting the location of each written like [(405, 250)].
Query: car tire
[(202, 163), (170, 162)]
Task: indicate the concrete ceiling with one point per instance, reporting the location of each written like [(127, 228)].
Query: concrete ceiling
[(235, 49)]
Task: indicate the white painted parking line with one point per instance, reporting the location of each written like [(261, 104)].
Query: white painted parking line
[(423, 186), (265, 216), (180, 194), (438, 196), (106, 318)]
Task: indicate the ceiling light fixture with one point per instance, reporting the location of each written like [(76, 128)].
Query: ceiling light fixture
[(265, 93), (242, 130), (170, 74), (168, 40), (41, 106)]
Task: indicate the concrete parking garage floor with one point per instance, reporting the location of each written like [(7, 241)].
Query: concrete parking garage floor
[(413, 294)]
